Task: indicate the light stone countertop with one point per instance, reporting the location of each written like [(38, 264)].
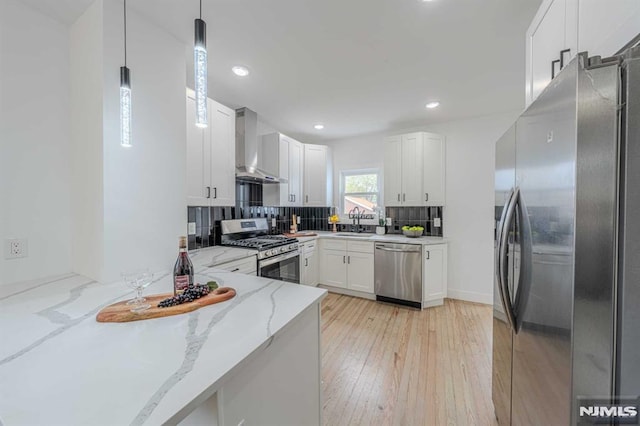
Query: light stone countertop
[(58, 366), (217, 255), (390, 238)]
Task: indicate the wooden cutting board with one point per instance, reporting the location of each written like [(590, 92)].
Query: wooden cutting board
[(121, 312), (299, 235)]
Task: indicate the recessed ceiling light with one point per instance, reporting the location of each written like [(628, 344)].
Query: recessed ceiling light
[(433, 104), (319, 126), (240, 71)]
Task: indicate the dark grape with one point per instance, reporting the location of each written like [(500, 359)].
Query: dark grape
[(192, 293)]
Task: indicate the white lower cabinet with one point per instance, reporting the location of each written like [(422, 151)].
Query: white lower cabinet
[(308, 264), (333, 268), (277, 385), (434, 275), (347, 264), (360, 271), (248, 266), (281, 386)]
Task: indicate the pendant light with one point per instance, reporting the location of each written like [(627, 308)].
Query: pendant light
[(200, 69), (125, 93)]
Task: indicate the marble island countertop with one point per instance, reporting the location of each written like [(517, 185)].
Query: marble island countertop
[(59, 366), (217, 255)]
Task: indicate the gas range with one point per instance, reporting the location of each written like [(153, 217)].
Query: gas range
[(252, 234)]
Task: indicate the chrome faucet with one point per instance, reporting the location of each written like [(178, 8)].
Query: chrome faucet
[(354, 214)]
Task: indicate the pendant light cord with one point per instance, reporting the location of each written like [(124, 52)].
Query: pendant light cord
[(200, 9), (125, 33)]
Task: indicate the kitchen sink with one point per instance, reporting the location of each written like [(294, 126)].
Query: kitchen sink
[(353, 235)]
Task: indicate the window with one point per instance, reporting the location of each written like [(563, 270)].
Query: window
[(360, 188)]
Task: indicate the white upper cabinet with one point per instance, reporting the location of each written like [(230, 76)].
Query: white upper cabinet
[(211, 156), (433, 176), (196, 157), (412, 163), (562, 28), (282, 157), (317, 182), (296, 162), (605, 27), (223, 154), (550, 44), (393, 171), (414, 170)]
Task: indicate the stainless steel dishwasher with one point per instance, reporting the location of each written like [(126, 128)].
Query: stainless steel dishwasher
[(398, 273)]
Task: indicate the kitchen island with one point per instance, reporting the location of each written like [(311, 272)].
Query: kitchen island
[(254, 359)]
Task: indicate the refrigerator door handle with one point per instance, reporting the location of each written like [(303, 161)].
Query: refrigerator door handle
[(502, 259), (498, 258)]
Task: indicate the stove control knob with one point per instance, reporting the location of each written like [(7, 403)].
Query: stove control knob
[(283, 249), (268, 253)]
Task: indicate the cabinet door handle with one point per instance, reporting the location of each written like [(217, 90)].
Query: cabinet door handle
[(215, 192), (294, 198), (553, 68), (235, 270), (306, 262), (344, 259), (398, 197), (562, 52), (428, 255), (307, 198), (426, 196), (404, 197), (349, 260), (208, 192)]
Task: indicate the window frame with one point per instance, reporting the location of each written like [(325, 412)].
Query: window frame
[(355, 172)]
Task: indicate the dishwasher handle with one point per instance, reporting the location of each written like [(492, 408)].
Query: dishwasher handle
[(413, 249)]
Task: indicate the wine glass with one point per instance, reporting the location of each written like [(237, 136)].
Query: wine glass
[(138, 280)]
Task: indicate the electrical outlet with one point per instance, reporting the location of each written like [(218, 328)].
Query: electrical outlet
[(298, 220), (436, 222), (273, 222), (15, 248), (192, 228)]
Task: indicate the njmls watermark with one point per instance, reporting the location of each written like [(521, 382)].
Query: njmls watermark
[(593, 411)]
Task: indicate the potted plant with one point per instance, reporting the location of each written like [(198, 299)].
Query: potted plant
[(380, 229)]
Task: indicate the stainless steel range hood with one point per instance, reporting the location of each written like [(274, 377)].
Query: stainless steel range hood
[(247, 148)]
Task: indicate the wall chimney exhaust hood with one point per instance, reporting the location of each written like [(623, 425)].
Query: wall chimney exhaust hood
[(247, 147)]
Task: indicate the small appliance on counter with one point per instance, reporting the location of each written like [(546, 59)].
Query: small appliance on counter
[(278, 256)]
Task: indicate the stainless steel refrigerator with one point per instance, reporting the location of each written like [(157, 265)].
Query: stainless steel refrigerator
[(566, 321)]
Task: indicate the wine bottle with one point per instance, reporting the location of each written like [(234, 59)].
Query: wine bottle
[(183, 270)]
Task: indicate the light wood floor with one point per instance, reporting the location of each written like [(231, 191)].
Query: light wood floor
[(389, 365)]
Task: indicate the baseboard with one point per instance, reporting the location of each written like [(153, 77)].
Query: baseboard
[(470, 296), (432, 303), (348, 292)]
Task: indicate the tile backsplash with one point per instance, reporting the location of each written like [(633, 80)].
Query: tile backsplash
[(206, 220), (415, 216)]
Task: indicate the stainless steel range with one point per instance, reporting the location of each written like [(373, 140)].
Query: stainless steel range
[(278, 256)]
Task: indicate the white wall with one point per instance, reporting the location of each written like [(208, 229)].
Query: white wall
[(86, 136), (144, 186), (35, 142), (468, 213)]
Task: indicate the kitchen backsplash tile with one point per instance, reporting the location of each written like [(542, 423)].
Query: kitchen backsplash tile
[(415, 216), (207, 219)]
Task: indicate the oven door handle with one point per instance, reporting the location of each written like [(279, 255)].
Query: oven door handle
[(280, 258)]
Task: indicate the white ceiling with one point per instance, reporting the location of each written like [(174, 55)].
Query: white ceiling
[(357, 66)]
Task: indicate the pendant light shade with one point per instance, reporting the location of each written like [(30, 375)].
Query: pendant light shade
[(125, 93), (125, 107), (200, 70)]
